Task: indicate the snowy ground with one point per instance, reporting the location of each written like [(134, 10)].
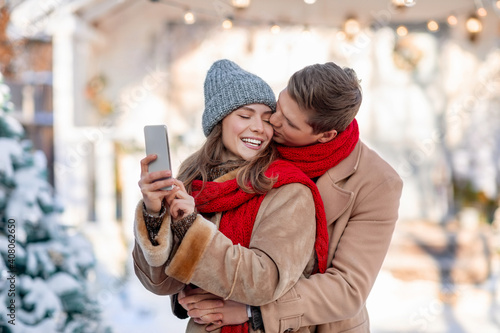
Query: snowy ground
[(130, 308), (395, 306)]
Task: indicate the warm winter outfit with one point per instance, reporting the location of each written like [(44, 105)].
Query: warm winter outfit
[(206, 261), (282, 249), (256, 253), (361, 196), (240, 208), (246, 247)]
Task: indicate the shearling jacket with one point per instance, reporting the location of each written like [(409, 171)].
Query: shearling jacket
[(361, 196), (281, 251)]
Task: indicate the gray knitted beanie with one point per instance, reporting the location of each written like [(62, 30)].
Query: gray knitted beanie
[(227, 88)]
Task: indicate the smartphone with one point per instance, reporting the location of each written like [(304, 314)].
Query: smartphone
[(156, 138)]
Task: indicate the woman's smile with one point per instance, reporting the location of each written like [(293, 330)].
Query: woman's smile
[(252, 143), (246, 131)]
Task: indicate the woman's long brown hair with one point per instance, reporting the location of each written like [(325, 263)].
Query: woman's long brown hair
[(250, 176)]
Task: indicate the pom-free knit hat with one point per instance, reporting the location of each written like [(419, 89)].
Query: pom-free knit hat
[(227, 88)]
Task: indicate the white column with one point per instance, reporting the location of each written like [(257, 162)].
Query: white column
[(70, 154), (104, 173), (74, 144)]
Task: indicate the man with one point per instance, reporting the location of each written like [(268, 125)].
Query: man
[(361, 194)]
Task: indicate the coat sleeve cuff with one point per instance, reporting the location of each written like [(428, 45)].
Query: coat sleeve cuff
[(282, 315), (190, 251), (177, 309), (155, 255)]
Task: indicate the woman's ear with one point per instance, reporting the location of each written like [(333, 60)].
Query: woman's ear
[(327, 136)]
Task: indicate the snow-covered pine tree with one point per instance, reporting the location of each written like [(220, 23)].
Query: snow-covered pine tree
[(43, 266)]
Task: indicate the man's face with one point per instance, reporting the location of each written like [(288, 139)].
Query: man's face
[(290, 123)]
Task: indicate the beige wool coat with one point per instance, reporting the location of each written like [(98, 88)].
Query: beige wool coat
[(281, 251), (361, 196)]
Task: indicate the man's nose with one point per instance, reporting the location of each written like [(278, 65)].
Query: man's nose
[(275, 120)]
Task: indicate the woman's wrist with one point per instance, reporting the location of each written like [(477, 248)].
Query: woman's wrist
[(153, 213), (181, 227), (153, 222)]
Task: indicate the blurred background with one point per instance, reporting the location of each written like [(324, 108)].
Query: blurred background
[(80, 79)]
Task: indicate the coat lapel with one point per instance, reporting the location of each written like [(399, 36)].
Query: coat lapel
[(337, 199)]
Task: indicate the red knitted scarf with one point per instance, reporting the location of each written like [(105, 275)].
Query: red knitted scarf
[(316, 159), (240, 210)]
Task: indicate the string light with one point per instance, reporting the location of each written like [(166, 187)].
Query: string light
[(351, 27), (452, 20), (473, 24), (189, 17), (240, 4), (275, 29), (341, 35), (227, 24), (474, 27), (432, 26), (481, 12), (402, 31), (401, 4), (410, 3)]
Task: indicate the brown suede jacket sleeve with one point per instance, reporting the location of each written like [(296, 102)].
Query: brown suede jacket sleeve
[(281, 247), (149, 260), (281, 250)]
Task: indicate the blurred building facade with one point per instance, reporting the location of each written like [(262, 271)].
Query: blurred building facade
[(431, 98)]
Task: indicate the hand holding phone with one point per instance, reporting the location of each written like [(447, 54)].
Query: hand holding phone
[(156, 138)]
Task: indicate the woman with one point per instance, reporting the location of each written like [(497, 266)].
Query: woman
[(231, 225)]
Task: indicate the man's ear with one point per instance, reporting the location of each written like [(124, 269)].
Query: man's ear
[(327, 136)]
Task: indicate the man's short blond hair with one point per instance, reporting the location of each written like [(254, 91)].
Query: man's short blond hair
[(331, 95)]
